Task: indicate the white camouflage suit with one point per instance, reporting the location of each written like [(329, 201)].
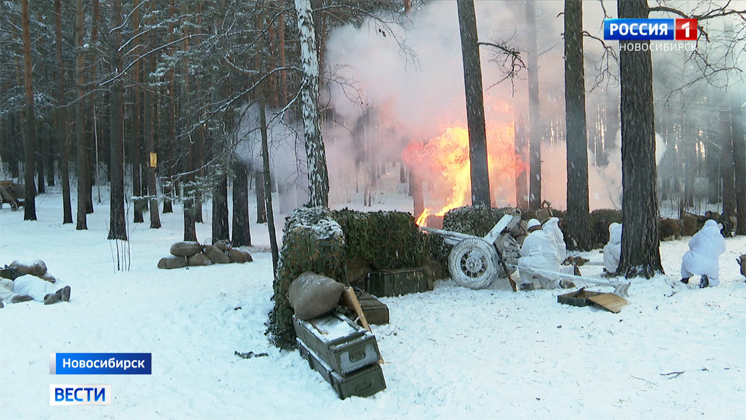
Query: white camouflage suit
[(704, 252), (552, 226), (6, 290), (34, 287), (539, 251), (613, 250)]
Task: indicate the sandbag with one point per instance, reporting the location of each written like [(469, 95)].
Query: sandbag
[(221, 245), (199, 259), (185, 249), (311, 295), (172, 262), (36, 268), (217, 256), (238, 256)]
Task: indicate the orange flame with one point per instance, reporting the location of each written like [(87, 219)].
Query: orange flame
[(444, 163), (423, 217)]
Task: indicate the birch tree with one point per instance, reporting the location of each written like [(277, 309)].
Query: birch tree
[(318, 176)]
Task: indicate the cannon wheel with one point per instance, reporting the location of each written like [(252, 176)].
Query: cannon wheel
[(473, 263)]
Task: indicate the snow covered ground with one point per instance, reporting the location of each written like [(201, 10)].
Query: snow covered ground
[(675, 352)]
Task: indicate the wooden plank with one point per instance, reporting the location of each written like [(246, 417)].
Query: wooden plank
[(609, 301), (349, 299)]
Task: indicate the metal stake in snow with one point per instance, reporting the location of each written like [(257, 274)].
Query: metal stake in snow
[(318, 177)]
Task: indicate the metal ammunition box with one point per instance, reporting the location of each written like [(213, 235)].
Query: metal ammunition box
[(339, 342), (360, 383), (375, 311), (396, 282)]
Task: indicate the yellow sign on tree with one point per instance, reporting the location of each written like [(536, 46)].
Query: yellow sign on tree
[(153, 160)]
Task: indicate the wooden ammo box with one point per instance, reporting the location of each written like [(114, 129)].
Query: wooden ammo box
[(360, 383), (340, 343), (396, 282), (375, 311)]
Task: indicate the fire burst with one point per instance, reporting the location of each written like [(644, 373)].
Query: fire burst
[(444, 162)]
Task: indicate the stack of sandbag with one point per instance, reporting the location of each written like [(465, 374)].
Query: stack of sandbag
[(193, 254), (36, 268)]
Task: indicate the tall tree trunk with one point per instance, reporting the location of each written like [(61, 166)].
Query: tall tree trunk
[(138, 159), (190, 189), (727, 171), (480, 176), (415, 190), (149, 114), (640, 242), (67, 212), (80, 163), (521, 180), (261, 209), (29, 206), (688, 145), (118, 221), (198, 149), (318, 177), (92, 158), (170, 115), (578, 208), (532, 62), (281, 49), (268, 184), (220, 225), (39, 155), (739, 158), (241, 229), (11, 145), (611, 127), (712, 161)]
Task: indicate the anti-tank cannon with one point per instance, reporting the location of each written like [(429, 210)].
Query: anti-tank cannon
[(476, 262)]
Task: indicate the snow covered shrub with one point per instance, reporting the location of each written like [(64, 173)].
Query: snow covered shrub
[(313, 241), (600, 221)]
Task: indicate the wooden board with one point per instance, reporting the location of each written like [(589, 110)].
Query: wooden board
[(349, 299), (609, 301)]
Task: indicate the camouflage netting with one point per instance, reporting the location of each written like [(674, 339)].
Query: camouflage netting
[(474, 220), (329, 242), (312, 241), (386, 240)]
